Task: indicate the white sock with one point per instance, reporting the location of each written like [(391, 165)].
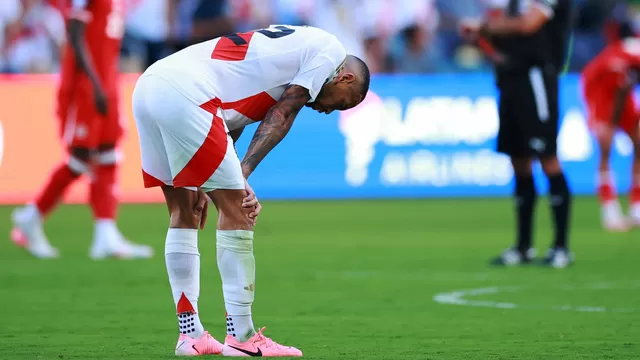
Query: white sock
[(105, 230), (30, 213), (29, 216), (240, 327), (238, 272), (183, 266), (605, 177)]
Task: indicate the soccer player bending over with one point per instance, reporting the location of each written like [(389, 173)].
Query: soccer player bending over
[(190, 108), (608, 81)]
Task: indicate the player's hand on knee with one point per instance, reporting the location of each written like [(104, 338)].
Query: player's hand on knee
[(202, 207), (253, 215), (251, 200)]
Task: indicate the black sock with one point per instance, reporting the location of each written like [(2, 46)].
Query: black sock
[(561, 206), (525, 200)]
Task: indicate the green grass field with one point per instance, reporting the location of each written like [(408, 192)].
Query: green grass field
[(352, 280)]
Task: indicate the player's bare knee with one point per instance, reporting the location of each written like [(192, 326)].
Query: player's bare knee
[(181, 204), (234, 217), (550, 165), (182, 218), (231, 214), (522, 166), (604, 139), (604, 135)]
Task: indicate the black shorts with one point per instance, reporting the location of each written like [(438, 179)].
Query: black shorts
[(528, 111)]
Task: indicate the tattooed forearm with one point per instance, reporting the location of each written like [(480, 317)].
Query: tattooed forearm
[(267, 136), (274, 127)]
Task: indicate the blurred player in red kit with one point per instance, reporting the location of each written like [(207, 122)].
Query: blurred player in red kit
[(608, 81), (90, 129)]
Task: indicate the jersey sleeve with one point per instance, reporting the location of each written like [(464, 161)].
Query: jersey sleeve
[(321, 66), (80, 10), (548, 7)]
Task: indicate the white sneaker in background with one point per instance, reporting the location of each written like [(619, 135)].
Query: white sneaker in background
[(28, 233)]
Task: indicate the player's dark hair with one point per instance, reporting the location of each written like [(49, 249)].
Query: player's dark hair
[(364, 74), (410, 32), (625, 31)]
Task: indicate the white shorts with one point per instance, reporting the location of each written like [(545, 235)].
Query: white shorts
[(182, 144)]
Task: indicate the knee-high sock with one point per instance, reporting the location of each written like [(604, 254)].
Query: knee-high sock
[(237, 267), (103, 192), (183, 266), (561, 208), (525, 193), (57, 184)]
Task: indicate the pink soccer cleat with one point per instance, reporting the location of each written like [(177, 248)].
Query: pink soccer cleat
[(18, 238), (617, 225), (613, 219), (258, 345), (109, 242), (28, 233), (205, 345)]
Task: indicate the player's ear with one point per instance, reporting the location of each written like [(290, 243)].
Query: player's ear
[(347, 77)]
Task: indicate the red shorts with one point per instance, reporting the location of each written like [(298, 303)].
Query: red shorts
[(80, 123), (601, 103)]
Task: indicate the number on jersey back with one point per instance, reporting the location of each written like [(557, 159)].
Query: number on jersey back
[(234, 47)]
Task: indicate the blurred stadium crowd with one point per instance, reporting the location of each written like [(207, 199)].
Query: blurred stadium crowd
[(394, 36)]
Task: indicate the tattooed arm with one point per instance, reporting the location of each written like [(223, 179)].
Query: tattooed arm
[(274, 127)]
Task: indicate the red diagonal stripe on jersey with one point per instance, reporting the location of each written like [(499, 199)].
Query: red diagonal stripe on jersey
[(228, 50), (254, 107), (210, 154), (150, 181)]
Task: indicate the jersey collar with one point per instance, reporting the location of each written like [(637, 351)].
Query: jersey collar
[(337, 71)]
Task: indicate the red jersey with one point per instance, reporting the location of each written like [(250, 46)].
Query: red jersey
[(80, 123), (601, 79), (103, 36), (610, 69)]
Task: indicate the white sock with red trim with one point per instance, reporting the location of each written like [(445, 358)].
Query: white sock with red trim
[(237, 267), (183, 266)]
